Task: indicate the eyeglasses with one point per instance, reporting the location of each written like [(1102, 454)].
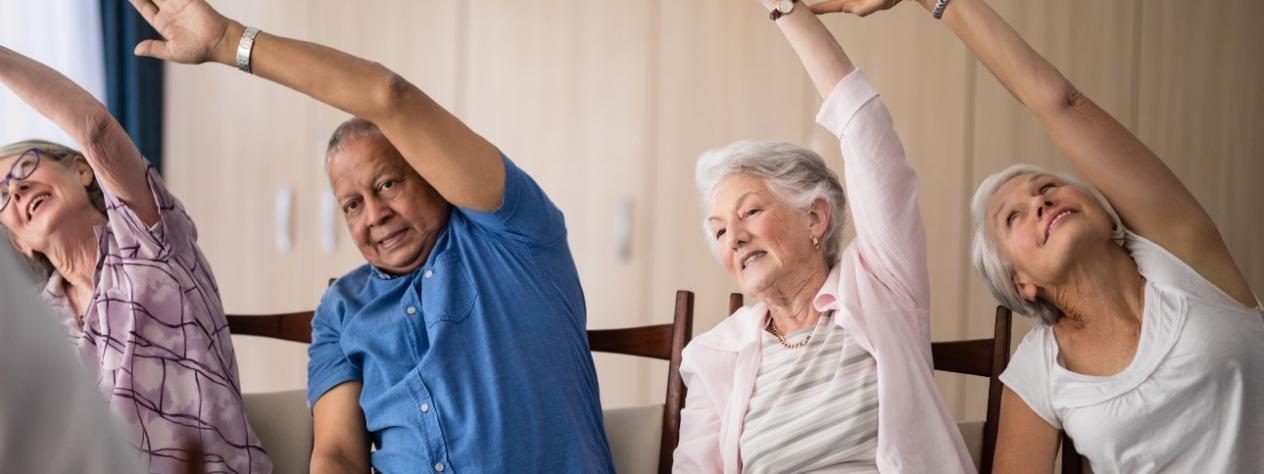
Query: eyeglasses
[(21, 170)]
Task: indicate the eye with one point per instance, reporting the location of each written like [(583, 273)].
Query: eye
[(1009, 220), (719, 233), (387, 184), (1047, 187), (350, 206), (752, 212)]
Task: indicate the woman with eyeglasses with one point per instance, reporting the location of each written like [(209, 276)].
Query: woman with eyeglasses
[(119, 262)]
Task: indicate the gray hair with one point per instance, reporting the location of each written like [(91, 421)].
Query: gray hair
[(351, 130), (995, 268), (795, 174), (64, 155)]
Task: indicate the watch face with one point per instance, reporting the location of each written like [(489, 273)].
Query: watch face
[(784, 6)]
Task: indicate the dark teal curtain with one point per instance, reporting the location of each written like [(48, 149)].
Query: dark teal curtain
[(133, 84)]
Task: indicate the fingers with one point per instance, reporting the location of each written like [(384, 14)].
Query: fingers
[(147, 9), (829, 6), (152, 49)]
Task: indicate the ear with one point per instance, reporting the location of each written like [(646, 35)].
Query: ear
[(819, 217), (83, 171), (1028, 291)]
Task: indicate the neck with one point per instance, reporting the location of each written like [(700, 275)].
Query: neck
[(790, 300), (72, 249), (1102, 291)]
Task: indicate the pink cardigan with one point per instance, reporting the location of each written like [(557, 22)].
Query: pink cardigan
[(880, 289)]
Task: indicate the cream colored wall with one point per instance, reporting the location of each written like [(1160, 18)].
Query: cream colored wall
[(608, 103)]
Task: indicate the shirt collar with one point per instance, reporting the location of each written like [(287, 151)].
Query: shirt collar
[(827, 298), (743, 328)]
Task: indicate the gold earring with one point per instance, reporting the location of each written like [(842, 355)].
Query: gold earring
[(816, 242)]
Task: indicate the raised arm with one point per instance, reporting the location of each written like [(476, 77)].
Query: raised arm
[(465, 168), (1149, 198), (113, 158), (881, 185), (822, 56)]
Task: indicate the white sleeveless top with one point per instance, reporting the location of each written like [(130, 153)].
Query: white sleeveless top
[(814, 408), (1191, 400)]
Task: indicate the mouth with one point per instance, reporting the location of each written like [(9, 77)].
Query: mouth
[(35, 204), (750, 257), (392, 239), (1054, 218)]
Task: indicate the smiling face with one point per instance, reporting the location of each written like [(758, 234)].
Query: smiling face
[(54, 192), (1040, 223), (393, 214), (759, 238)]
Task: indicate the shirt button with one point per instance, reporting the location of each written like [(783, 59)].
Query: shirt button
[(425, 407), (411, 310), (439, 467), (428, 274)]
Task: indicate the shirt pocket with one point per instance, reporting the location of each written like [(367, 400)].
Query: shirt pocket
[(447, 291)]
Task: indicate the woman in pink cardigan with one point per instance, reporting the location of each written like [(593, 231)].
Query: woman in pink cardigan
[(831, 369)]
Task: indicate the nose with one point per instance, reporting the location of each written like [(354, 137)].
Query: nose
[(15, 188), (736, 237), (1041, 204), (377, 210)]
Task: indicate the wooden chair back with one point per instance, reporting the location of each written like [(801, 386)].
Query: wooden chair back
[(664, 342), (980, 357)]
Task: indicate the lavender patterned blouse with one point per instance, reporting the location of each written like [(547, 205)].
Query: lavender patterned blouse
[(156, 337)]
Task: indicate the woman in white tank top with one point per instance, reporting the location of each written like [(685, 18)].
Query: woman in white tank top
[(1149, 355)]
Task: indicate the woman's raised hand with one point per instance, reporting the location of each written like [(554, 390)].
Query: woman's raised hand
[(192, 31), (856, 7)]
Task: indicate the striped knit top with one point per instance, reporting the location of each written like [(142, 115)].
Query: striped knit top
[(814, 408)]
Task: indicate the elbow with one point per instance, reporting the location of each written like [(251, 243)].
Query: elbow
[(1059, 99), (390, 93), (98, 131)]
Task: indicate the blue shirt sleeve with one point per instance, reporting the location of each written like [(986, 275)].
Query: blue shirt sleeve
[(327, 365), (525, 214)]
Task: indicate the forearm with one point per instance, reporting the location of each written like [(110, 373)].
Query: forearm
[(55, 96), (105, 144), (346, 82), (465, 168), (822, 56), (1023, 71)]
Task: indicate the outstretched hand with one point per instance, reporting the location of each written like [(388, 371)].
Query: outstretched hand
[(192, 31), (856, 7)]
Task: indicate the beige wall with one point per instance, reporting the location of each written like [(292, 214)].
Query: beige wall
[(608, 103)]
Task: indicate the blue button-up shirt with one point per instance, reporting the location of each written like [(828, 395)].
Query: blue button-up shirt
[(477, 361)]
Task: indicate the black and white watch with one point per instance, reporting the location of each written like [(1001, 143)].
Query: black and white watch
[(784, 7)]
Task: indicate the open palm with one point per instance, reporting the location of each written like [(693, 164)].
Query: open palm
[(192, 31)]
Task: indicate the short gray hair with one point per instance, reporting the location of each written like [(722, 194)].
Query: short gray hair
[(795, 174), (351, 130), (64, 155), (995, 268)]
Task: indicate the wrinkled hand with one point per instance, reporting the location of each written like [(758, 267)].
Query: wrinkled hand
[(194, 32), (856, 7)]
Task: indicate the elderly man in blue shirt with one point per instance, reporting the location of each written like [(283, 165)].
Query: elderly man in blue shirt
[(460, 346)]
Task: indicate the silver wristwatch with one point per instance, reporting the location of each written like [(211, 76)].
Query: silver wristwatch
[(244, 48)]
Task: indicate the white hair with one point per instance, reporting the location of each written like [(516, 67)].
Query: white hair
[(348, 131), (795, 174), (996, 270)]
